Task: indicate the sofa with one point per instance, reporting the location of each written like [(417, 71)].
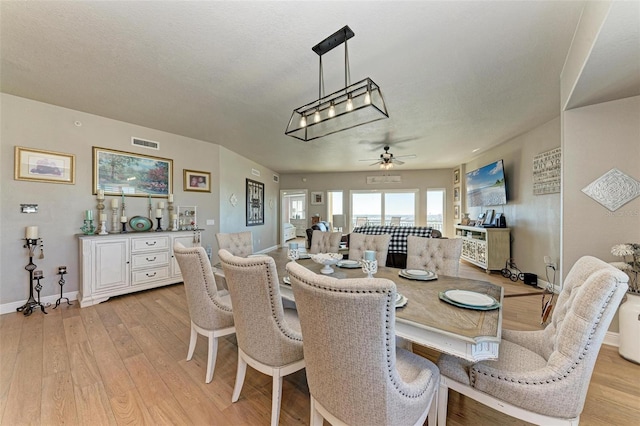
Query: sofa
[(323, 226), (397, 254)]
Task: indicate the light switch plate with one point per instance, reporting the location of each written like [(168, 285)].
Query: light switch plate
[(211, 222)]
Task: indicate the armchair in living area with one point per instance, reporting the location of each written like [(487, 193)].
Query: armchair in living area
[(542, 376)]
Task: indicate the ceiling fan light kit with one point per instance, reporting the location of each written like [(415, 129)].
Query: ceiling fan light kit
[(354, 105)]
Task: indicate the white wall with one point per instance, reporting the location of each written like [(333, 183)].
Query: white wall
[(42, 126)]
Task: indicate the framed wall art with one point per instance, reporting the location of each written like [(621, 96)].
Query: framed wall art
[(317, 198), (456, 194), (197, 181), (456, 212), (456, 176), (37, 165), (255, 203), (118, 172)]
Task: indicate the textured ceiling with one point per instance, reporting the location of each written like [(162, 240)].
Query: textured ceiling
[(457, 76)]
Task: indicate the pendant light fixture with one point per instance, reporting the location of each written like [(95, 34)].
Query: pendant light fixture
[(354, 105)]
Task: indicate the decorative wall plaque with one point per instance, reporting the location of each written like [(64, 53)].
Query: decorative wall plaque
[(255, 203), (613, 189), (546, 172)]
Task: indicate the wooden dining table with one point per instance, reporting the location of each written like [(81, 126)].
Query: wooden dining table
[(425, 319)]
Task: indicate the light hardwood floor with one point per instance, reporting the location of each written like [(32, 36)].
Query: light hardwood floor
[(123, 362)]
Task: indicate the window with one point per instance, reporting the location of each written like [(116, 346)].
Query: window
[(383, 207), (435, 208), (295, 206)]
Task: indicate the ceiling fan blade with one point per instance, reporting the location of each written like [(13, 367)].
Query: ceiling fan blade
[(398, 162), (377, 162), (370, 159), (405, 156)]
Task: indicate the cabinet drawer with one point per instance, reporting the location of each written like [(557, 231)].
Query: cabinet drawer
[(149, 243), (145, 260), (148, 275)]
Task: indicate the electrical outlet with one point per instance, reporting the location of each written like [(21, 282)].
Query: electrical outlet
[(548, 262)]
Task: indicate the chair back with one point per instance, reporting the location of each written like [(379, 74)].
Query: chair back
[(361, 221), (349, 348), (325, 242), (206, 308), (395, 220), (441, 256), (261, 327), (238, 243), (359, 243)]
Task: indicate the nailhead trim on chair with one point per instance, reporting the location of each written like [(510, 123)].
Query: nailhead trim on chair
[(255, 261), (390, 370), (473, 373), (213, 299)]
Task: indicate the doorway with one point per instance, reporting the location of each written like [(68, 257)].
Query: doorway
[(293, 210)]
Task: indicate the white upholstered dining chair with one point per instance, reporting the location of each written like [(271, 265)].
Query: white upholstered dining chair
[(325, 242), (440, 255), (237, 243), (269, 337), (359, 243), (210, 310), (355, 373), (542, 376)]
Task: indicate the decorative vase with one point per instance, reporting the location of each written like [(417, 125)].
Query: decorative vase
[(629, 320)]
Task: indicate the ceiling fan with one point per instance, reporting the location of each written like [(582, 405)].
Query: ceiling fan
[(387, 159)]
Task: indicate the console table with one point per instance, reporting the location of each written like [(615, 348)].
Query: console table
[(488, 248), (115, 264)]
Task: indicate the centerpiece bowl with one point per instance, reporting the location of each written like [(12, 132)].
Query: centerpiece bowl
[(326, 259)]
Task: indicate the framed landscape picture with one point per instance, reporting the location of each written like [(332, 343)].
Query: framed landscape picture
[(317, 198), (255, 203), (126, 173), (197, 181), (37, 165)]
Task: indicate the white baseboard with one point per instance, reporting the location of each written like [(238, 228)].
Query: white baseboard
[(612, 339), (268, 249), (48, 302)]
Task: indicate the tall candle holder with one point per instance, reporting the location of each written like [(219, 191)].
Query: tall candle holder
[(88, 228), (159, 228), (173, 224), (102, 228), (115, 229), (62, 270), (31, 303)]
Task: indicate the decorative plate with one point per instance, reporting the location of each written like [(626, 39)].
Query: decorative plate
[(140, 223)]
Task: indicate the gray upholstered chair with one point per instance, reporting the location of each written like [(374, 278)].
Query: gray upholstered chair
[(210, 310), (441, 256), (359, 243), (542, 376), (238, 243), (269, 337), (325, 242), (356, 375)]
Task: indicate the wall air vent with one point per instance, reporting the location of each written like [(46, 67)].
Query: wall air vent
[(145, 143), (276, 178), (371, 180)]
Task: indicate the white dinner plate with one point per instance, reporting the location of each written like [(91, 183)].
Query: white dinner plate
[(427, 276), (417, 272), (286, 280), (470, 298), (349, 264), (304, 255), (402, 301)]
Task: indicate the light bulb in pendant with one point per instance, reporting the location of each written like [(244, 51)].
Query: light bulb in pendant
[(349, 104), (316, 117), (367, 98), (303, 121), (332, 111)]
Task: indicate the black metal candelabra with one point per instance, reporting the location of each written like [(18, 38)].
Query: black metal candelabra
[(31, 303), (62, 270)]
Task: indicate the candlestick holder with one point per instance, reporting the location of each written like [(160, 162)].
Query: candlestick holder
[(124, 228), (150, 211), (172, 224), (88, 228), (31, 303), (159, 228), (115, 229), (62, 270)]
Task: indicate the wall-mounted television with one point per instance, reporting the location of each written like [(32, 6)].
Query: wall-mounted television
[(486, 186)]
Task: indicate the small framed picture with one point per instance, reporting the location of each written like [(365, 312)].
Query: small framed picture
[(456, 212), (456, 194), (456, 176), (317, 198), (197, 181), (37, 165)]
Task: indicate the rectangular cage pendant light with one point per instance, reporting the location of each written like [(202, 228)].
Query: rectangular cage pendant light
[(357, 104)]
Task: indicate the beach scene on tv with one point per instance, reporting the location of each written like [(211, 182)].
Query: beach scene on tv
[(485, 186)]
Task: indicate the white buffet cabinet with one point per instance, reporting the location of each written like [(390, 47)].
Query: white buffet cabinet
[(488, 248), (115, 264)]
